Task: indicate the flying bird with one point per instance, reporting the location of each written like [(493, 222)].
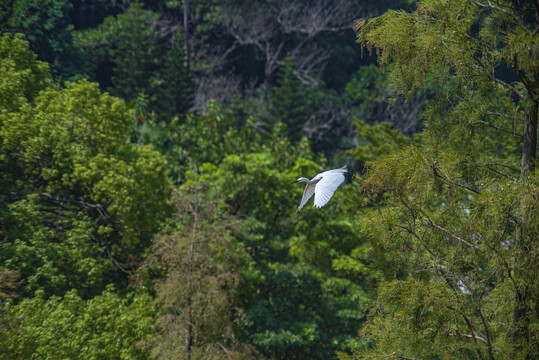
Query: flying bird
[(323, 186)]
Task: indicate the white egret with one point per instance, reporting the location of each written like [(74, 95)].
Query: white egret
[(323, 186)]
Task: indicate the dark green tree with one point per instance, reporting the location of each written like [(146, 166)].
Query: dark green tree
[(78, 200), (290, 102), (171, 89), (370, 98), (128, 40), (303, 292), (22, 76), (456, 227), (46, 25)]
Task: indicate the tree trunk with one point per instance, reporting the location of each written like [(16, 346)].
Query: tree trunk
[(186, 33), (529, 147), (522, 312), (189, 337)]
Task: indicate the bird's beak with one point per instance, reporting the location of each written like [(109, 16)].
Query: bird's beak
[(295, 181)]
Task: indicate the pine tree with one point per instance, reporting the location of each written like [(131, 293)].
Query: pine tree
[(130, 42), (290, 101), (456, 228), (172, 88)]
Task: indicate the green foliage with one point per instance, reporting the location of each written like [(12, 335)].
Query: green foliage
[(370, 98), (129, 41), (441, 32), (197, 295), (367, 87), (77, 197), (22, 76), (105, 327), (10, 281), (249, 174), (299, 293), (46, 25), (290, 101), (453, 232), (172, 87), (377, 140), (236, 272), (197, 139)]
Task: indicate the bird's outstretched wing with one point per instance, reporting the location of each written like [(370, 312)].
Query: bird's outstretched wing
[(326, 187), (307, 193)]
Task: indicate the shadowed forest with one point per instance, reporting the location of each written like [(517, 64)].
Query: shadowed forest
[(148, 149)]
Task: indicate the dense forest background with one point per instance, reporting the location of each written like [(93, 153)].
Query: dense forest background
[(146, 156)]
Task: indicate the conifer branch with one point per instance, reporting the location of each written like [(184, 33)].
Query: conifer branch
[(498, 164), (446, 178), (505, 264), (456, 237), (494, 7), (472, 336), (414, 234), (411, 229), (507, 85), (498, 128), (482, 67), (489, 344), (502, 173), (482, 42)]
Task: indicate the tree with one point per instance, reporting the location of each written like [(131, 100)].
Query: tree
[(290, 102), (304, 291), (128, 40), (46, 25), (455, 232), (245, 45), (9, 282), (78, 202), (370, 98), (265, 27), (23, 76), (172, 87), (106, 327), (197, 294)]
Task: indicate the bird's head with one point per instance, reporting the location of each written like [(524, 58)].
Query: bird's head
[(301, 179)]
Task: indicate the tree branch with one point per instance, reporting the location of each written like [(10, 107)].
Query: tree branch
[(496, 164), (456, 237), (80, 136), (445, 178), (482, 67), (489, 344), (472, 336), (502, 173), (99, 207), (494, 7), (499, 128)]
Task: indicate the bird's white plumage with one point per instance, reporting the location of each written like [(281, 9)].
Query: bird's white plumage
[(326, 187), (323, 186), (307, 193)]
